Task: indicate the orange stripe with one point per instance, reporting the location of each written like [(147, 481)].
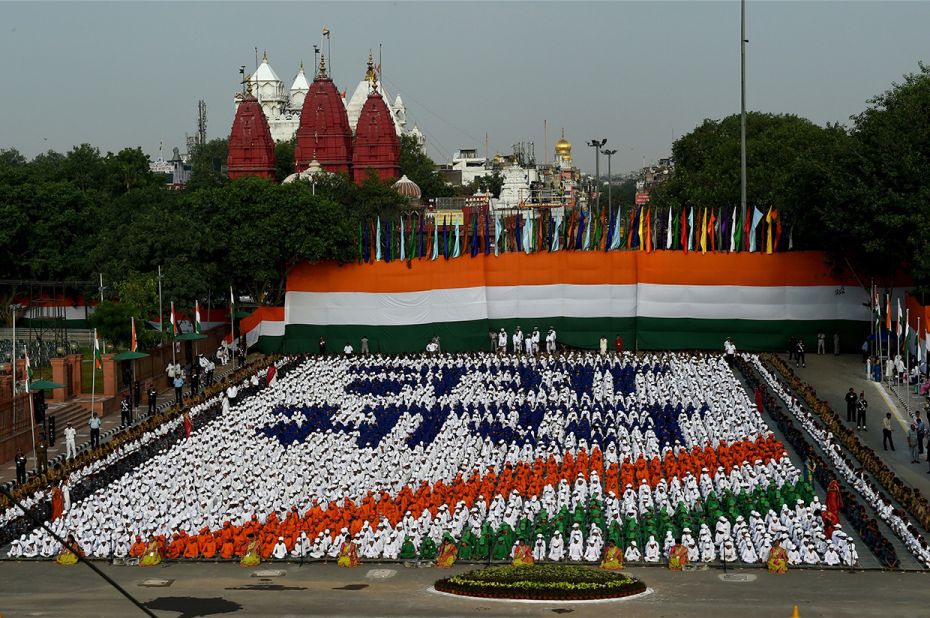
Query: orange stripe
[(574, 268), (269, 314), (527, 477)]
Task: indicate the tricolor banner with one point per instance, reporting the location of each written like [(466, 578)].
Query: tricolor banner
[(660, 300)]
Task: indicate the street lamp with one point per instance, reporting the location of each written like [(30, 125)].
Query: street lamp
[(597, 144), (610, 153)]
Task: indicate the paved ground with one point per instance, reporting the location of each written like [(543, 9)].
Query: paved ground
[(46, 589), (833, 375)]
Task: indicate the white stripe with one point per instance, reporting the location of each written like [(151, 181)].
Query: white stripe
[(265, 328), (576, 301)]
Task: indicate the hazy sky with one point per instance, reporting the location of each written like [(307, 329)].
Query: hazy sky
[(639, 74)]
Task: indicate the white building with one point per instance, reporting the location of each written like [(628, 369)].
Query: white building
[(282, 107), (470, 165)]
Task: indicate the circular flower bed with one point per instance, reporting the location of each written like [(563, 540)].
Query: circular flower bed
[(555, 582)]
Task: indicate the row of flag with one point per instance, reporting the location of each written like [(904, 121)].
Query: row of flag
[(646, 228), (901, 327)]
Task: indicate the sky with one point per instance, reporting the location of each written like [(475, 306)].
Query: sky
[(638, 74)]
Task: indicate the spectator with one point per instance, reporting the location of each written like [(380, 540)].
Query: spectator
[(94, 424), (70, 447), (20, 467), (618, 344), (41, 455), (861, 408), (364, 348), (886, 432), (821, 344), (602, 346), (125, 411), (851, 401), (178, 390), (348, 350), (153, 399), (912, 442)]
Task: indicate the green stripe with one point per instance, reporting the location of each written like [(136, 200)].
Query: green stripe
[(584, 333)]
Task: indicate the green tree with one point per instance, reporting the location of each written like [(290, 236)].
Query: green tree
[(284, 158), (418, 167), (207, 164)]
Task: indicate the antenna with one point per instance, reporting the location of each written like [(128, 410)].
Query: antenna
[(201, 122)]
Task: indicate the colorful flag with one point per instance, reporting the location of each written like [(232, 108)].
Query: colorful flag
[(403, 247), (197, 322), (756, 218), (704, 232), (888, 312), (668, 232), (684, 229), (768, 231), (27, 369), (174, 322), (733, 228), (133, 343), (378, 239), (98, 357)]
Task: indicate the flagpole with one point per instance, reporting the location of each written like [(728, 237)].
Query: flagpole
[(32, 415), (232, 310), (93, 375), (907, 363)]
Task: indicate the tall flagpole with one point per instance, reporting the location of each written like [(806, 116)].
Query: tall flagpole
[(93, 374), (232, 315), (907, 362), (742, 125), (32, 414)]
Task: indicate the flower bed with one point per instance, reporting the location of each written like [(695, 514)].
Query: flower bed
[(551, 582)]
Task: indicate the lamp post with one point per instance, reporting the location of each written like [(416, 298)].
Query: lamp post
[(597, 144), (610, 153)]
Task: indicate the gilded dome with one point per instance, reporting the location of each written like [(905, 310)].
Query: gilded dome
[(563, 147)]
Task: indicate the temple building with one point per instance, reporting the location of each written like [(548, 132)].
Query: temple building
[(251, 149), (283, 108), (331, 136)]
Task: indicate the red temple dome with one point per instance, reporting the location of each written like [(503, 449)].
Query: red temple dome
[(324, 132), (377, 147), (251, 149)]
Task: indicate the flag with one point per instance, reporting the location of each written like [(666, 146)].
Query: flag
[(712, 229), (769, 236), (197, 322), (733, 227), (898, 330), (378, 239), (497, 234), (888, 312), (98, 357), (648, 226), (133, 343), (690, 229), (684, 229), (487, 233), (668, 232), (587, 232), (704, 232), (174, 322), (27, 369), (756, 218), (403, 248), (474, 234), (927, 345), (457, 251), (271, 376)]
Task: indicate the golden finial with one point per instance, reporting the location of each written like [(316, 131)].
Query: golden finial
[(322, 65), (370, 73)]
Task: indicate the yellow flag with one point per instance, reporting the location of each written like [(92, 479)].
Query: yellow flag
[(642, 215), (704, 233), (768, 229)]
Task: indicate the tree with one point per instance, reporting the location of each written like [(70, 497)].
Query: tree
[(284, 158), (889, 214), (207, 164), (418, 167)]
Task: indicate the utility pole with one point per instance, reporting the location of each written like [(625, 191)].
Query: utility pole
[(100, 288), (742, 124), (161, 314), (610, 153), (597, 144)]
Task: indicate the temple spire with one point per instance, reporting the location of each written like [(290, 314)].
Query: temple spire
[(322, 65)]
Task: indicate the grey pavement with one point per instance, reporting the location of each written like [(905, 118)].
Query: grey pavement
[(47, 589), (832, 376)]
